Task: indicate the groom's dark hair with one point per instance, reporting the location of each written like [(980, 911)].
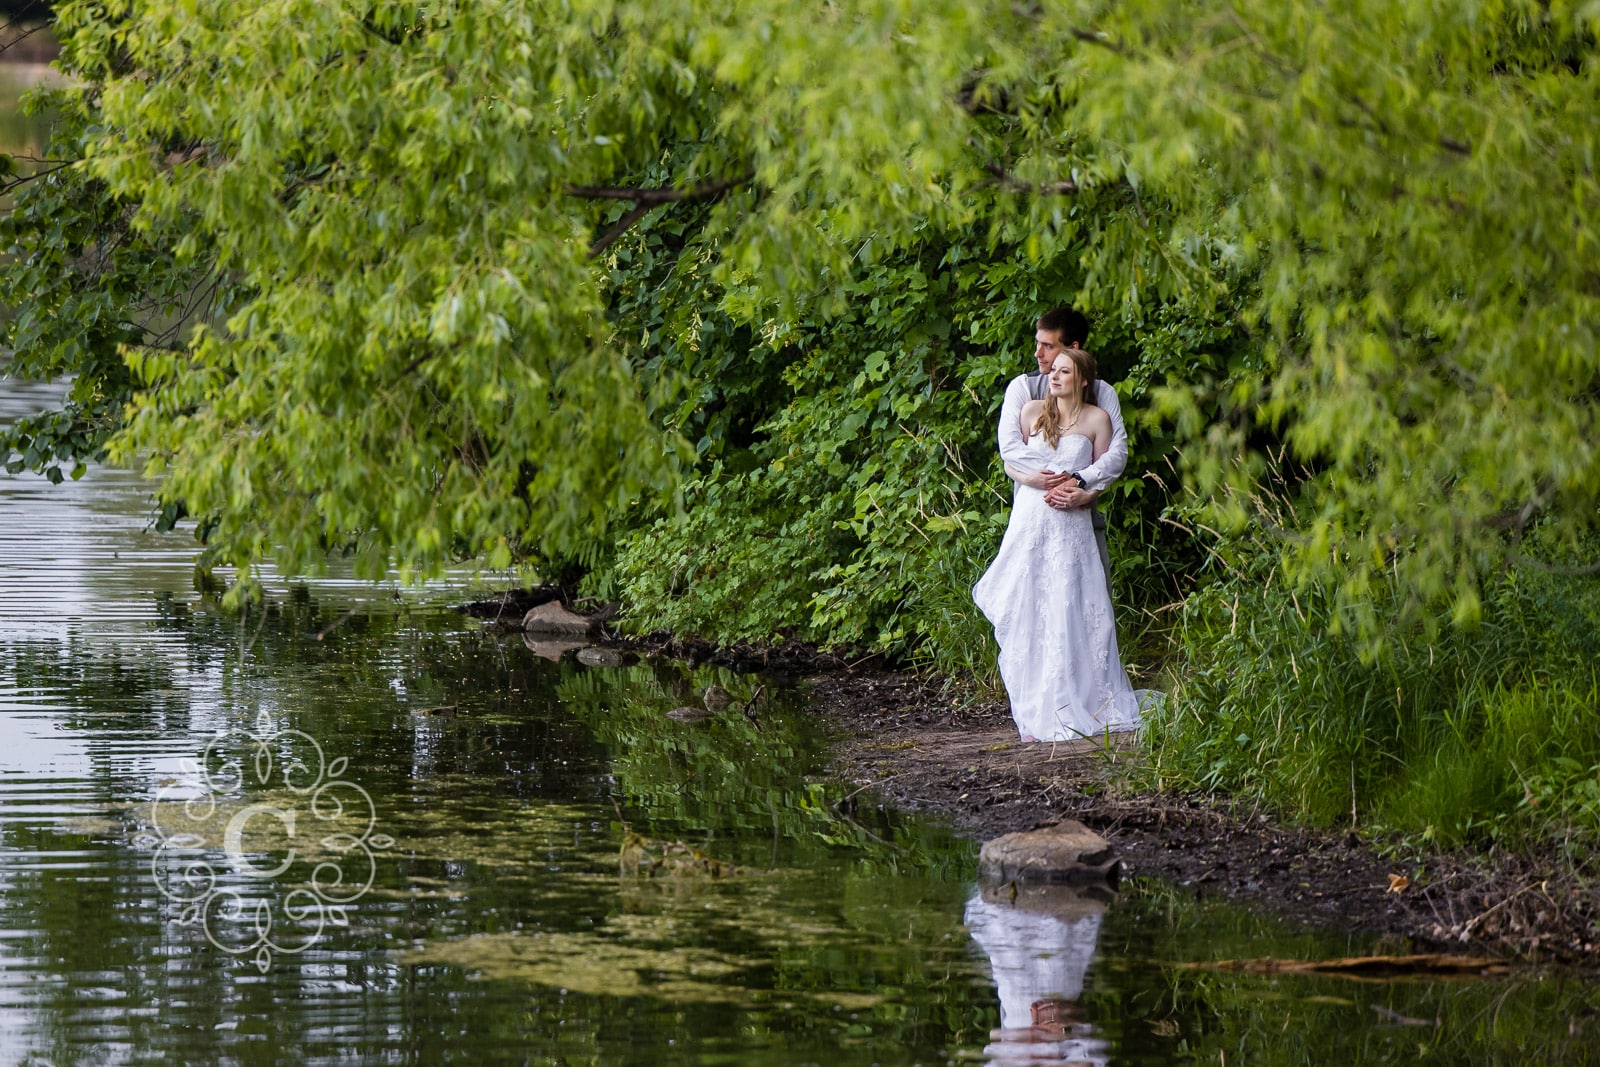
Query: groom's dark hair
[(1066, 324)]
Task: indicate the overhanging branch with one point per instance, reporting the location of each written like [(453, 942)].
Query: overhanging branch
[(623, 225), (644, 199), (7, 185), (1097, 38), (1010, 182)]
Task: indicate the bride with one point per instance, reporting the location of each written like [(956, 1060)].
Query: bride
[(1045, 593)]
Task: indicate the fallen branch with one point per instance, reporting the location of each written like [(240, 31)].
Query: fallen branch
[(748, 704), (1477, 920), (869, 785), (1358, 966)]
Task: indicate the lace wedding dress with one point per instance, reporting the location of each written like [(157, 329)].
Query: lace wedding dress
[(1045, 594)]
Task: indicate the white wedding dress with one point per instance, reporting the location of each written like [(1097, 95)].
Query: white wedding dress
[(1045, 594)]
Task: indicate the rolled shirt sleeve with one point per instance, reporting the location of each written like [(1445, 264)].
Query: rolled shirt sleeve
[(1109, 467), (1012, 448)]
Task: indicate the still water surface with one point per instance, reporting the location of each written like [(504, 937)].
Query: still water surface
[(156, 905)]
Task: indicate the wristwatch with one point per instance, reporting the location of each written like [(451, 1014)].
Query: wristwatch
[(1081, 483)]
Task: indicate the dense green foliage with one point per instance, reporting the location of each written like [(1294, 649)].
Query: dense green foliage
[(864, 506), (1395, 201), (715, 305)]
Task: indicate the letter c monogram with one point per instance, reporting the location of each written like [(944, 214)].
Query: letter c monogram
[(233, 839)]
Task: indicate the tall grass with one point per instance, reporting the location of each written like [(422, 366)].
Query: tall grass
[(1472, 735)]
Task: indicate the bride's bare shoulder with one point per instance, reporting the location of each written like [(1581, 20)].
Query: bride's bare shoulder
[(1029, 416)]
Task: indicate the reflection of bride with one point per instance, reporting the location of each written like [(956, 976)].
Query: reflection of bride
[(1039, 948)]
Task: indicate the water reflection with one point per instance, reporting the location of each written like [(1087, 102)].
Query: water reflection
[(551, 648), (499, 928), (1040, 941)]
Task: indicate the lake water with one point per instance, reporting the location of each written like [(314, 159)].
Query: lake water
[(20, 134), (355, 827)]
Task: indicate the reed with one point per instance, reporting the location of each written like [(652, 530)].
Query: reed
[(1488, 733)]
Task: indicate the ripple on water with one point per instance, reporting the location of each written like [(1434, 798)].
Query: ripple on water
[(77, 558), (106, 693)]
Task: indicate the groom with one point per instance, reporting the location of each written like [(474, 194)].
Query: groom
[(1053, 333)]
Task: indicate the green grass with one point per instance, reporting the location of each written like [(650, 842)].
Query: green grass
[(1489, 734)]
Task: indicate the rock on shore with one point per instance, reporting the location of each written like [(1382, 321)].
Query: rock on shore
[(1066, 852)]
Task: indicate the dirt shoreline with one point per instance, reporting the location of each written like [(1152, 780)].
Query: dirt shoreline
[(904, 742), (911, 744)]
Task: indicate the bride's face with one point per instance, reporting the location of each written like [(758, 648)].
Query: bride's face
[(1065, 380)]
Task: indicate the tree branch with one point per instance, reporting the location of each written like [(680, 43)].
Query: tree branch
[(19, 38), (17, 16), (1516, 519), (414, 364), (1008, 181), (623, 225), (646, 199), (200, 294), (1580, 571), (653, 197), (6, 187), (1095, 37)]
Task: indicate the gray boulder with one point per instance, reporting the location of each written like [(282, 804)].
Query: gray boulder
[(555, 618), (1066, 853)]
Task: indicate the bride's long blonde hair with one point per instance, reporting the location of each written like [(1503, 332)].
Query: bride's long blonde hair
[(1049, 422)]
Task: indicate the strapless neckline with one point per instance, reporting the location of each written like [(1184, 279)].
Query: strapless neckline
[(1068, 440)]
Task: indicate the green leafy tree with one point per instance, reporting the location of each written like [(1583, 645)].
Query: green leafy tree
[(418, 211), (1409, 194)]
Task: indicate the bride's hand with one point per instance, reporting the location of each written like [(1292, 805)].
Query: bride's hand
[(1044, 481), (1070, 497)]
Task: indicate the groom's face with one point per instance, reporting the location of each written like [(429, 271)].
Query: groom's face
[(1047, 345)]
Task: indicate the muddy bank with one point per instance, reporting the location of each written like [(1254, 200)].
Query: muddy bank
[(917, 748)]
